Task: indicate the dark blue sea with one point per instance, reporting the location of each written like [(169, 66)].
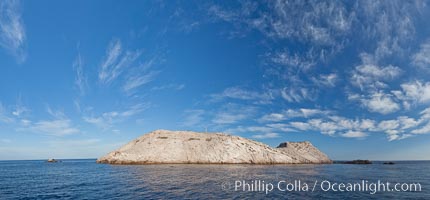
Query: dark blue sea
[(84, 179)]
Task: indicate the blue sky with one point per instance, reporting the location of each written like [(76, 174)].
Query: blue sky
[(81, 78)]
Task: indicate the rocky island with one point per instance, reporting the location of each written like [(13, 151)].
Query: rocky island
[(181, 147)]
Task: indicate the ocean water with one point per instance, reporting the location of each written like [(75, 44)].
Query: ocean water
[(84, 179)]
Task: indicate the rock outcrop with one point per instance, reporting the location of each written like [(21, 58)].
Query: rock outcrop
[(305, 151), (178, 147)]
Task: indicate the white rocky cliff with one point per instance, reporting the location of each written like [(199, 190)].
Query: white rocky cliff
[(164, 146)]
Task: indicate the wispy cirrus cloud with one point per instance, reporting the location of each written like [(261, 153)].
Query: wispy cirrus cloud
[(80, 78), (250, 129), (139, 80), (4, 116), (12, 31), (232, 113), (115, 61), (171, 86), (295, 62), (119, 60), (56, 127), (326, 80), (20, 110), (369, 76), (193, 117), (243, 94), (107, 67), (106, 120), (59, 125), (6, 141), (302, 66), (298, 94), (422, 57), (266, 136), (293, 113)]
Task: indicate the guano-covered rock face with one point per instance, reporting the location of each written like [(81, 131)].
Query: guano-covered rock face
[(181, 147)]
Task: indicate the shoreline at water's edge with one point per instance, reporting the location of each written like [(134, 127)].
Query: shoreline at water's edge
[(200, 163)]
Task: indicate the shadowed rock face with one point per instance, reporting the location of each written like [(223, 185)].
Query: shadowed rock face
[(179, 147), (304, 150)]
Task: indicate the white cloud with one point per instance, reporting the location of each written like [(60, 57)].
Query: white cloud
[(354, 134), (60, 125), (325, 122), (422, 57), (297, 94), (243, 94), (392, 137), (388, 72), (4, 115), (233, 113), (20, 109), (387, 125), (99, 121), (301, 125), (273, 117), (292, 113), (367, 124), (242, 129), (266, 136), (5, 141), (425, 114), (318, 27), (193, 117), (407, 122), (127, 64), (116, 61), (381, 103), (325, 127), (229, 118), (141, 75), (396, 129), (417, 91), (12, 31), (281, 127), (106, 120), (80, 79), (169, 87), (263, 129), (319, 23), (390, 24), (113, 52), (134, 110), (294, 61), (328, 80), (423, 130), (139, 80), (369, 76), (25, 122), (74, 143), (57, 127), (55, 113), (425, 118), (222, 14)]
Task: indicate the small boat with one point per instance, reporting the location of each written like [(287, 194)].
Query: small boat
[(51, 160)]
